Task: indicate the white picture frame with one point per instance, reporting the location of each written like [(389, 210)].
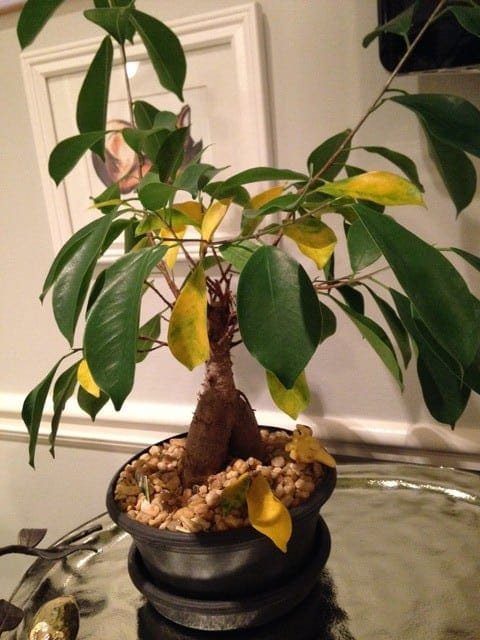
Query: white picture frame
[(226, 80)]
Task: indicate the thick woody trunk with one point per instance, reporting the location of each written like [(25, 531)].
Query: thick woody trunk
[(223, 424)]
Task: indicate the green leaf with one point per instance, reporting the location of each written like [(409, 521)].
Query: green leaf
[(33, 406), (111, 193), (90, 404), (353, 298), (147, 117), (221, 191), (400, 160), (71, 283), (69, 151), (399, 25), (93, 97), (456, 170), (148, 140), (445, 398), (472, 260), (192, 175), (147, 333), (62, 391), (65, 254), (34, 16), (468, 18), (170, 155), (378, 340), (361, 248), (114, 20), (144, 114), (238, 254), (164, 50), (451, 119), (436, 289), (329, 321), (116, 228), (278, 312), (396, 327), (320, 156), (154, 196), (291, 401), (263, 174), (110, 339), (443, 390)]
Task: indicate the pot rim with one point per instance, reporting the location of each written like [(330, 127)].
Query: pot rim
[(146, 533)]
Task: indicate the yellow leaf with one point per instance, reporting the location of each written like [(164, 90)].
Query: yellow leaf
[(292, 401), (187, 330), (235, 495), (170, 257), (381, 187), (213, 217), (314, 239), (192, 210), (85, 379), (267, 514), (265, 196), (304, 447)]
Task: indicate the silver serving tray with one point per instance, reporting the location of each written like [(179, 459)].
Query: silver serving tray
[(405, 564)]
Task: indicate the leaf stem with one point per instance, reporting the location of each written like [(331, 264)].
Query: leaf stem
[(385, 88)]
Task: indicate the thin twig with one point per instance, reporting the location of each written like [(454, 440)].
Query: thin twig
[(159, 294), (392, 77)]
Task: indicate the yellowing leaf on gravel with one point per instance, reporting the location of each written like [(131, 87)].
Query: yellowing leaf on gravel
[(187, 330), (265, 196), (267, 514), (172, 254), (85, 379), (235, 495), (381, 187), (291, 401), (192, 210), (314, 239), (304, 447), (213, 217)]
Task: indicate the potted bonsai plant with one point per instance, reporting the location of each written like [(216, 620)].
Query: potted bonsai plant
[(227, 473)]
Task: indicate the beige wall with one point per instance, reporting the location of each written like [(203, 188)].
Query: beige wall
[(320, 82)]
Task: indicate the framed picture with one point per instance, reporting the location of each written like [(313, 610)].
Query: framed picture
[(225, 100), (10, 5)]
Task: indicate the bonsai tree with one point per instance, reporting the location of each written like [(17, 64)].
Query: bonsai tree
[(251, 288)]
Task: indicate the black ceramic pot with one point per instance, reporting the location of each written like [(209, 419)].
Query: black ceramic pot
[(224, 564)]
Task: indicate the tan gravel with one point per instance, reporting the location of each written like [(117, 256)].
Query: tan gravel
[(166, 505)]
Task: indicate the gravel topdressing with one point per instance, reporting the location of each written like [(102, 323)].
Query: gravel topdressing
[(167, 505)]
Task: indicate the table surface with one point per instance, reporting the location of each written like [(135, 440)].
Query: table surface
[(405, 565)]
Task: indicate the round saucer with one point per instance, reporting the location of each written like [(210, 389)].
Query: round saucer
[(241, 613)]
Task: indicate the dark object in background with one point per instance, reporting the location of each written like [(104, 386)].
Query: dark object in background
[(445, 45)]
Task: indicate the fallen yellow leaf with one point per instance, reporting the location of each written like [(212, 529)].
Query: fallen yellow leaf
[(267, 514), (304, 447), (187, 330), (381, 187), (85, 379), (235, 495)]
